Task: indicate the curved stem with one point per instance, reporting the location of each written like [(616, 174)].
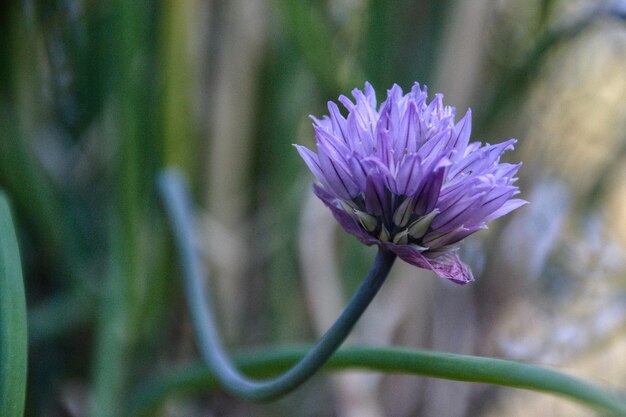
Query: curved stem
[(176, 199), (264, 362)]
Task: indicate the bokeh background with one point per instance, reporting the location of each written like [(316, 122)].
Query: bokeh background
[(97, 96)]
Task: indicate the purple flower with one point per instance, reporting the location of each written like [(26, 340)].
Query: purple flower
[(405, 177)]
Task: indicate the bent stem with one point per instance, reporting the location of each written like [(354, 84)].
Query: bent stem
[(270, 361), (176, 199)]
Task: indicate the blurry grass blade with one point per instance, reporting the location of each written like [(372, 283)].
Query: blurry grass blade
[(13, 341), (313, 36), (36, 197), (401, 40), (121, 301), (546, 8), (179, 77), (379, 50)]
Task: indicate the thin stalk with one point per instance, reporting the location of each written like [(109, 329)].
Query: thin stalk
[(176, 199), (270, 361)]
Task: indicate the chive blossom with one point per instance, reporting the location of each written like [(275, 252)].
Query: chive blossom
[(403, 175)]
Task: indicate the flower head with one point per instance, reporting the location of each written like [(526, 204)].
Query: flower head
[(404, 176)]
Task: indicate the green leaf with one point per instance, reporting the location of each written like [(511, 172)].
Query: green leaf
[(13, 341)]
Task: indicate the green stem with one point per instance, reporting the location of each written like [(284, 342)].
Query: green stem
[(270, 361), (13, 339), (176, 200)]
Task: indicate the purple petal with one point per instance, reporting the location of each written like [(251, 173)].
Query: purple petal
[(383, 173), (506, 208), (438, 240), (490, 203), (396, 112), (363, 140), (482, 158), (360, 171), (457, 214), (338, 121), (375, 201), (323, 123), (405, 142), (370, 94), (506, 170), (311, 161), (332, 145), (429, 193), (409, 176), (436, 105), (347, 103), (419, 95), (462, 132), (434, 147), (365, 110), (383, 148), (337, 176)]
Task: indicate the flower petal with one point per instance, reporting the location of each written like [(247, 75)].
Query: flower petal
[(447, 266), (405, 142), (428, 194), (409, 176), (375, 201), (337, 175), (338, 122), (461, 135), (311, 161), (506, 208)]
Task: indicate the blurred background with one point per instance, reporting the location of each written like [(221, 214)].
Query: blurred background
[(97, 96)]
